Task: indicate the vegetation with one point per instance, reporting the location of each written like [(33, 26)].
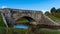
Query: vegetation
[(13, 31), (55, 12), (54, 18), (47, 13), (48, 31), (2, 24), (2, 30), (27, 31), (58, 10), (22, 20)]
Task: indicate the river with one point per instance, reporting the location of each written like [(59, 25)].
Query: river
[(21, 26)]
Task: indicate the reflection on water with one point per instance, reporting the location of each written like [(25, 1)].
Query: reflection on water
[(21, 26)]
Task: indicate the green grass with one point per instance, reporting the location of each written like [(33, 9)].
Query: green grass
[(13, 31), (2, 24), (45, 31), (54, 18), (22, 20), (4, 30), (26, 31)]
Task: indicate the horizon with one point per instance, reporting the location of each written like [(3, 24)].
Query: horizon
[(40, 5)]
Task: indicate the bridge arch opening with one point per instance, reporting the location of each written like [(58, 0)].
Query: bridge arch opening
[(28, 18), (25, 19), (24, 22)]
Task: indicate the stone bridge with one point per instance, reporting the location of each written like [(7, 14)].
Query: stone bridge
[(33, 16)]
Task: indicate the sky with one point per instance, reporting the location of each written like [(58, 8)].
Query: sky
[(42, 5)]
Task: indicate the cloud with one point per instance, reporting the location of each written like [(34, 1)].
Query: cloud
[(43, 11), (4, 7)]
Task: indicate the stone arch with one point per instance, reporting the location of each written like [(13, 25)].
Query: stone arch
[(30, 19)]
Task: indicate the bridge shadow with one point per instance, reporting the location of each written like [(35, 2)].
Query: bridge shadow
[(24, 20)]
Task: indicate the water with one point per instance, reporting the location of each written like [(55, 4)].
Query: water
[(21, 26)]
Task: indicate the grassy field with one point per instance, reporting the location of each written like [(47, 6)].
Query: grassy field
[(54, 18), (1, 21), (22, 20), (13, 31), (26, 31), (46, 31), (2, 30)]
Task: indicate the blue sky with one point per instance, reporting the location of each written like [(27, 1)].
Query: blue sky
[(44, 5)]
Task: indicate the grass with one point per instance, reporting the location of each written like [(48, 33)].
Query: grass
[(26, 31), (2, 24), (54, 18), (13, 31), (45, 31), (22, 20), (3, 30)]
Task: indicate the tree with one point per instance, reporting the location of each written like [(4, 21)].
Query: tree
[(58, 10), (47, 12), (57, 14), (53, 10)]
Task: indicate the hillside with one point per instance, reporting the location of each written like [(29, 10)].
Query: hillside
[(56, 19), (1, 21)]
